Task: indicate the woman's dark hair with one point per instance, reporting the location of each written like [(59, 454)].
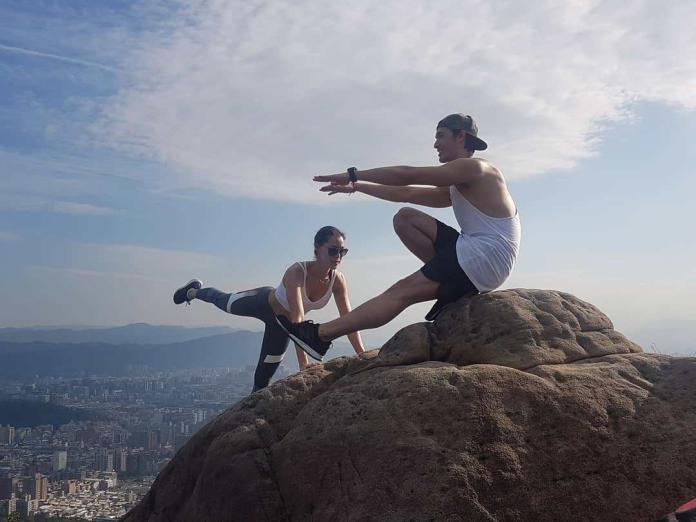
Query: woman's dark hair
[(326, 233)]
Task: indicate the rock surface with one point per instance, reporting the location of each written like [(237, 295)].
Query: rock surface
[(516, 405)]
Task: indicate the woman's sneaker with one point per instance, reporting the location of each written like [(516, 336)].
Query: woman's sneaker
[(181, 295), (306, 336)]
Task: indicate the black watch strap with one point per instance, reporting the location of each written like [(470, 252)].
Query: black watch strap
[(352, 174)]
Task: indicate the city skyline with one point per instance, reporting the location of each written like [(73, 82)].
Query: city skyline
[(57, 461)]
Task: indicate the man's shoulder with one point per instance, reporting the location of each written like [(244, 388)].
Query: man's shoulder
[(467, 163), (478, 170), (488, 169)]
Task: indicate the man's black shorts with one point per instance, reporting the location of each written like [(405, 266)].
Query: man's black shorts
[(445, 269)]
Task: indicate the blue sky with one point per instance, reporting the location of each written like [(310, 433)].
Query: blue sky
[(145, 143)]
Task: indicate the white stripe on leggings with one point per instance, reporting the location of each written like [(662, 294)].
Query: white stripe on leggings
[(234, 297), (274, 358)]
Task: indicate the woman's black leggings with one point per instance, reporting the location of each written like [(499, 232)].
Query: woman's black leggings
[(254, 303)]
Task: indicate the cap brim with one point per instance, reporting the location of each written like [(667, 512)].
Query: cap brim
[(479, 144)]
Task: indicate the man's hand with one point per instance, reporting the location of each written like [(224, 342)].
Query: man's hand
[(334, 179), (338, 189)]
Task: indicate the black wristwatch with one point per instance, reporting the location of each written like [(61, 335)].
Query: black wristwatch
[(352, 174)]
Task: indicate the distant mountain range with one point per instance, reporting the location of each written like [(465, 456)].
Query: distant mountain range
[(236, 349), (137, 333), (69, 357), (675, 337)]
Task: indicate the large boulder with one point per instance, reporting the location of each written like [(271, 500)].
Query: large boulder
[(516, 405), (515, 328)]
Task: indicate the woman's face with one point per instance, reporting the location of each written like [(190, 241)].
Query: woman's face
[(332, 252)]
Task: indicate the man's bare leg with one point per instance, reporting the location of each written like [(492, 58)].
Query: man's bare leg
[(380, 310), (417, 231)]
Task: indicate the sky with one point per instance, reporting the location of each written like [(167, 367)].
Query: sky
[(146, 143)]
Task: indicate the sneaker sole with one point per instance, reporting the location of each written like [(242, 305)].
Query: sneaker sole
[(183, 287), (299, 342)]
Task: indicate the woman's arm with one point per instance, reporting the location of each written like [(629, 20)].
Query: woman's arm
[(340, 292), (293, 281)]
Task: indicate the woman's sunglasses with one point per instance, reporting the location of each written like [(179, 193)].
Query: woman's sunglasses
[(333, 251)]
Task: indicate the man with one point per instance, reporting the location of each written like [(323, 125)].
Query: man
[(478, 259)]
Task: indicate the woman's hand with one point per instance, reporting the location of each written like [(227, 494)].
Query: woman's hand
[(302, 361), (338, 189), (334, 179)]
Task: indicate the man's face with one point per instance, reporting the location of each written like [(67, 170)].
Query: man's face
[(447, 145)]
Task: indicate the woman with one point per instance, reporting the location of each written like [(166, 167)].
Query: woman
[(306, 286)]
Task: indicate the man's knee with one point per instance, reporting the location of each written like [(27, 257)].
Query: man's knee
[(404, 219)]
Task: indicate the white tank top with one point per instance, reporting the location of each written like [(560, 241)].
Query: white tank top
[(282, 294), (487, 246)]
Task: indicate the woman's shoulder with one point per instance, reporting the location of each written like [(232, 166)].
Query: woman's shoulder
[(298, 266), (295, 271), (339, 279)]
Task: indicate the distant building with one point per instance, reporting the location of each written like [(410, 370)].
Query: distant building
[(7, 434), (70, 475), (138, 439), (36, 486), (104, 460), (153, 440), (60, 460), (12, 505), (8, 487), (120, 460), (41, 488), (146, 464), (132, 463), (24, 506), (70, 487), (21, 433)]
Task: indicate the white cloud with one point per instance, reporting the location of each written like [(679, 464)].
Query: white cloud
[(67, 59), (29, 203), (45, 181), (67, 207), (252, 98), (157, 264), (82, 273)]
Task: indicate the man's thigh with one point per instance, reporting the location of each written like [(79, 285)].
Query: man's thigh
[(416, 288), (425, 223)]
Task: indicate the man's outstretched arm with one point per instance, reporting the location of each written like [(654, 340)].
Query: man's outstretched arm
[(463, 170), (435, 197)]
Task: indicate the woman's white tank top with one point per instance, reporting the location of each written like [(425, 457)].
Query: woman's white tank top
[(282, 295)]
